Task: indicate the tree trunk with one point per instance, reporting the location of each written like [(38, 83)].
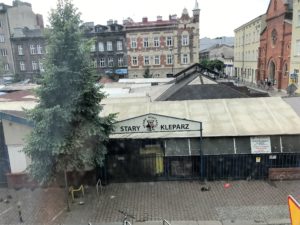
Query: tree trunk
[(67, 190)]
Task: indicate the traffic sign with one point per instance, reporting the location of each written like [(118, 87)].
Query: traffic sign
[(294, 208)]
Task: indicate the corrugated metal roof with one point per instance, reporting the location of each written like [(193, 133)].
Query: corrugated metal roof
[(221, 117)]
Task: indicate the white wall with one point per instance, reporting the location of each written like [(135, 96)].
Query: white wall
[(18, 162)]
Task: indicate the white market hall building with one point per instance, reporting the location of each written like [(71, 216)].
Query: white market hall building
[(208, 139)]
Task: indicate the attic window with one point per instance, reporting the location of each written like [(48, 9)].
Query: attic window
[(275, 5)]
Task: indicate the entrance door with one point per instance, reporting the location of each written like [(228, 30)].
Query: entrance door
[(272, 69)]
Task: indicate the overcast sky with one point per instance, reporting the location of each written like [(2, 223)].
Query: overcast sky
[(217, 17)]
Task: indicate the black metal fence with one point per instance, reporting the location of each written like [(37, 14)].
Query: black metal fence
[(211, 167)]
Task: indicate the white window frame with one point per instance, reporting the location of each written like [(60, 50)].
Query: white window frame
[(109, 46), (22, 66), (134, 60), (119, 45), (169, 41), (3, 52), (133, 42), (94, 63), (297, 49), (93, 48), (101, 46), (146, 60), (185, 39), (34, 66), (102, 62), (185, 59), (41, 66), (6, 67), (20, 50), (157, 60), (156, 42), (32, 50), (39, 49), (145, 42), (169, 59), (120, 61), (110, 61), (2, 38)]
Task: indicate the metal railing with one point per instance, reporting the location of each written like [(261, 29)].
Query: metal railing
[(165, 222)]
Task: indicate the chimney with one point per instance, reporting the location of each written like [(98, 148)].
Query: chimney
[(116, 22), (145, 20), (110, 22), (173, 17), (159, 18)]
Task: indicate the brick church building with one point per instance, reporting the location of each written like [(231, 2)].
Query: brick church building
[(275, 45)]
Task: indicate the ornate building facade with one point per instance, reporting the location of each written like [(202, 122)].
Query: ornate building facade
[(108, 52), (275, 45), (163, 47)]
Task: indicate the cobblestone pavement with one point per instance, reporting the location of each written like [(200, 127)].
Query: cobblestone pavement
[(152, 201)]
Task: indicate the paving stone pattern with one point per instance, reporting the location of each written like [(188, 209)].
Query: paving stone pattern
[(175, 201)]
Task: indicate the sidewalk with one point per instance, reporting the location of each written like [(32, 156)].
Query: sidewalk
[(180, 202)]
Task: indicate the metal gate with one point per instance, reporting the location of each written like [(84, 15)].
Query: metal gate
[(152, 167)]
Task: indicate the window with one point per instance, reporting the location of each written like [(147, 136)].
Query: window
[(133, 42), (22, 66), (185, 59), (109, 46), (101, 47), (274, 36), (169, 41), (3, 52), (169, 59), (110, 61), (134, 61), (39, 49), (146, 60), (185, 40), (41, 66), (32, 50), (102, 62), (6, 67), (146, 43), (119, 45), (297, 53), (156, 41), (157, 60), (2, 39), (94, 63), (20, 50), (93, 48), (34, 65), (1, 23), (298, 19), (120, 61)]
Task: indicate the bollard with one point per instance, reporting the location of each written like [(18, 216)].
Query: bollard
[(20, 212)]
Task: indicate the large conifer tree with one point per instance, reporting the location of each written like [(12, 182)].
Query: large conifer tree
[(68, 132)]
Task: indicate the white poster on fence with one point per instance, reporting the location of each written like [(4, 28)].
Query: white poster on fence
[(260, 145)]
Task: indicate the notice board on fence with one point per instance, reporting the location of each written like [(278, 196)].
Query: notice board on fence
[(260, 145)]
